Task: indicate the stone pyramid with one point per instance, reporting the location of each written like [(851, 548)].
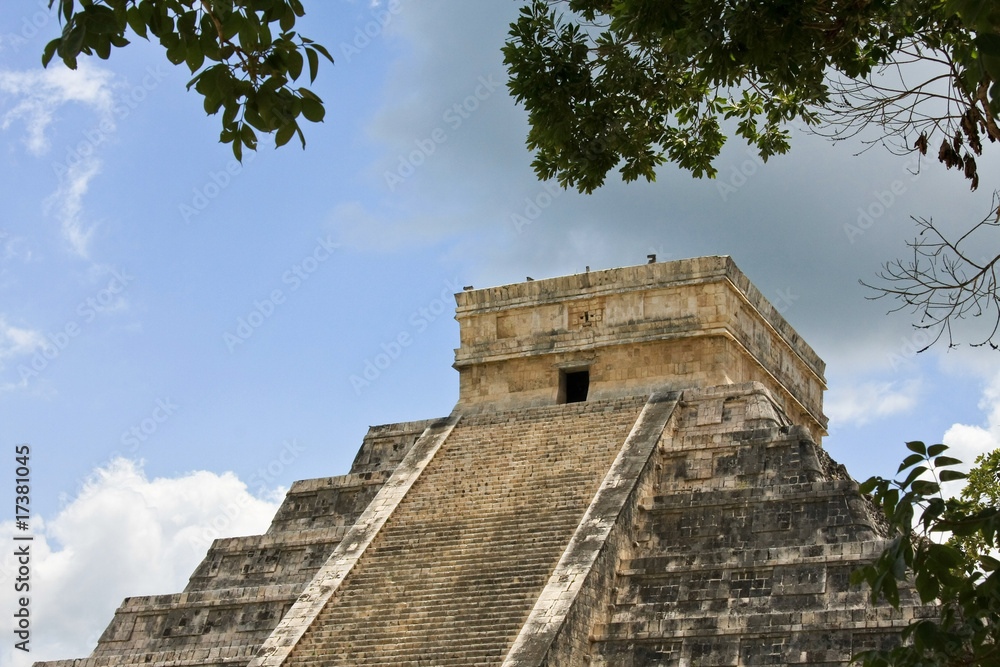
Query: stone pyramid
[(632, 476)]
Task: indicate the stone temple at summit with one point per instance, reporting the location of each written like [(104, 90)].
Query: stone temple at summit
[(632, 476)]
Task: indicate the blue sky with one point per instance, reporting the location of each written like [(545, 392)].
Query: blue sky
[(128, 224)]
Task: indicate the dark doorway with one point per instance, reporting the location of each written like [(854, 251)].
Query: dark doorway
[(577, 384)]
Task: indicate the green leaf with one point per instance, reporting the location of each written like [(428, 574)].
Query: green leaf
[(910, 460), (934, 450), (248, 137), (287, 20), (194, 56), (229, 115), (293, 60), (912, 476), (322, 49), (951, 475), (102, 47), (868, 485), (988, 43), (945, 555), (146, 10), (943, 461), (254, 118), (925, 488), (917, 446), (101, 20), (176, 52), (284, 134), (312, 110), (72, 42), (305, 92), (50, 50), (135, 21), (927, 586), (313, 64)]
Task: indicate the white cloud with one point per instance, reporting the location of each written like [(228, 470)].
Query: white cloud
[(34, 98), (67, 202), (40, 93), (15, 247), (123, 535), (969, 441), (15, 341), (861, 404)]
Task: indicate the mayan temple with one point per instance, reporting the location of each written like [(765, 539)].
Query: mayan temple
[(632, 476)]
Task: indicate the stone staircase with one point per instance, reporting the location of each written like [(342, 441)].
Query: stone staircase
[(454, 573), (245, 585), (743, 554)]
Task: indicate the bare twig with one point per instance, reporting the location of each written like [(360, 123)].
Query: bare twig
[(942, 283)]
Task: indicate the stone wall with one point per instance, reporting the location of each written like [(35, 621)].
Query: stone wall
[(743, 551), (691, 323)]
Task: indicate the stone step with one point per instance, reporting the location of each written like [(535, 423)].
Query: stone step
[(390, 584), (220, 597), (683, 562), (744, 521), (441, 540), (191, 657), (721, 498), (819, 647), (471, 546), (385, 445), (648, 612), (487, 628), (763, 619), (306, 537)]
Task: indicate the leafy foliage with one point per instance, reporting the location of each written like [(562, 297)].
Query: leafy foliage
[(244, 54), (640, 82), (961, 574), (983, 492)]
